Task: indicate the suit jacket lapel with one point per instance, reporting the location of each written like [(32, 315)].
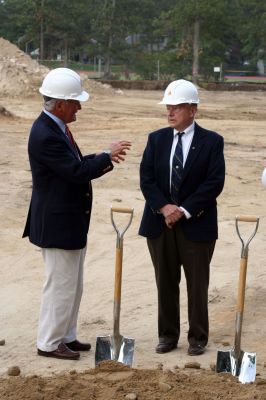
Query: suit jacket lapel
[(56, 128), (166, 147), (195, 148)]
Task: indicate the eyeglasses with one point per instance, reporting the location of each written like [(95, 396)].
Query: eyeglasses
[(178, 108), (72, 101)]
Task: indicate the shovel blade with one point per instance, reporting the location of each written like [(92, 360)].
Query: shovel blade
[(244, 367), (107, 348)]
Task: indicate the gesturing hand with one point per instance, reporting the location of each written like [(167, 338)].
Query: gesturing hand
[(118, 150)]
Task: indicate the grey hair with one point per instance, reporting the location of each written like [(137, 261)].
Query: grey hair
[(49, 103)]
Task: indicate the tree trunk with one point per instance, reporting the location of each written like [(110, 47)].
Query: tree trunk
[(107, 64), (41, 32), (195, 67), (65, 52)]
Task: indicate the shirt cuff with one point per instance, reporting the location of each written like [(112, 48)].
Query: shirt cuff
[(187, 214)]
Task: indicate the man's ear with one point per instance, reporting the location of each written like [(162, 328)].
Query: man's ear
[(194, 109), (59, 109), (59, 105)]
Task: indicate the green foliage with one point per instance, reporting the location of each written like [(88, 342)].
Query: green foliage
[(252, 30), (137, 34), (19, 19)]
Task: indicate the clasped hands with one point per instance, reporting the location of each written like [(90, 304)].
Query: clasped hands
[(118, 150), (172, 214)]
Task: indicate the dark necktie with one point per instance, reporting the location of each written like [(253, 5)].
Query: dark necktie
[(70, 136), (177, 169), (72, 141)]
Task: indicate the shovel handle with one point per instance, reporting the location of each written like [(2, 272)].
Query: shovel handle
[(118, 274), (247, 218), (118, 265), (242, 285), (121, 232), (122, 210), (242, 280)]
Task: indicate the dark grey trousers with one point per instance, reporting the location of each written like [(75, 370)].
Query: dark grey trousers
[(169, 252)]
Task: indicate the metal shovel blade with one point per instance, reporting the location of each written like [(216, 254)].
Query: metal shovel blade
[(244, 367), (119, 349)]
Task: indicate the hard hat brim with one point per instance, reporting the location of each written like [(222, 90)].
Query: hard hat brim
[(175, 103), (84, 96)]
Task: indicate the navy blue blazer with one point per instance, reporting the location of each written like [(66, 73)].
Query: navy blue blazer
[(202, 182), (61, 201)]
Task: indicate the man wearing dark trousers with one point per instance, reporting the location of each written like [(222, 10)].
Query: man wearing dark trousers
[(182, 173), (60, 208)]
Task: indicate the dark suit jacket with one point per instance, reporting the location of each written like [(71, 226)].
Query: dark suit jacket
[(202, 182), (59, 213)]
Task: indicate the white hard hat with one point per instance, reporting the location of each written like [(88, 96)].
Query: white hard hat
[(263, 177), (63, 83), (180, 91)]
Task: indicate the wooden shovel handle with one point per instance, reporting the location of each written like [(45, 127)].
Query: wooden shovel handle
[(118, 274), (247, 218), (242, 285), (122, 210)]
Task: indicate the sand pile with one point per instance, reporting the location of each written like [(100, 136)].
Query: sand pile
[(133, 384), (19, 73), (97, 89)]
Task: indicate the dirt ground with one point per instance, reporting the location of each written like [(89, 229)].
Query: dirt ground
[(240, 117)]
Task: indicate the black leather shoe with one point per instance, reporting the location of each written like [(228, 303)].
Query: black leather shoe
[(195, 350), (164, 347), (62, 352), (78, 346)]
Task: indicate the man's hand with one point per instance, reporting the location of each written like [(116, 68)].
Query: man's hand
[(118, 150), (172, 214)]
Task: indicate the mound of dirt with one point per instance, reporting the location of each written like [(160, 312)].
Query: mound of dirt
[(143, 384), (98, 89), (19, 73)]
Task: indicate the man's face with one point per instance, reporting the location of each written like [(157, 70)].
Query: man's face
[(66, 110), (181, 116)]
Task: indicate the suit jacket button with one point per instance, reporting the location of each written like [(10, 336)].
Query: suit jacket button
[(88, 194), (87, 212)]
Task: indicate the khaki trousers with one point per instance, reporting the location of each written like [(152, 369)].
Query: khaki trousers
[(61, 297)]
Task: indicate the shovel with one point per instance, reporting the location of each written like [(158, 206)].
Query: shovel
[(116, 347), (236, 361)]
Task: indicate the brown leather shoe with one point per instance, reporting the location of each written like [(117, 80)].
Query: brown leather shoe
[(62, 351), (78, 346), (195, 350), (165, 347)]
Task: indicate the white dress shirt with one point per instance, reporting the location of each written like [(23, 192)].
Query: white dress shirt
[(57, 120), (186, 143)]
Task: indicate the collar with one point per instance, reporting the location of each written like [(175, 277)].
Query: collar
[(189, 129), (57, 120)]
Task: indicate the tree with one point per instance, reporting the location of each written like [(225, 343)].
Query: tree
[(53, 26), (202, 28), (252, 28), (19, 21), (187, 37)]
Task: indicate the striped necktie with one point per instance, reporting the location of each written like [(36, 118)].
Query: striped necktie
[(177, 169)]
